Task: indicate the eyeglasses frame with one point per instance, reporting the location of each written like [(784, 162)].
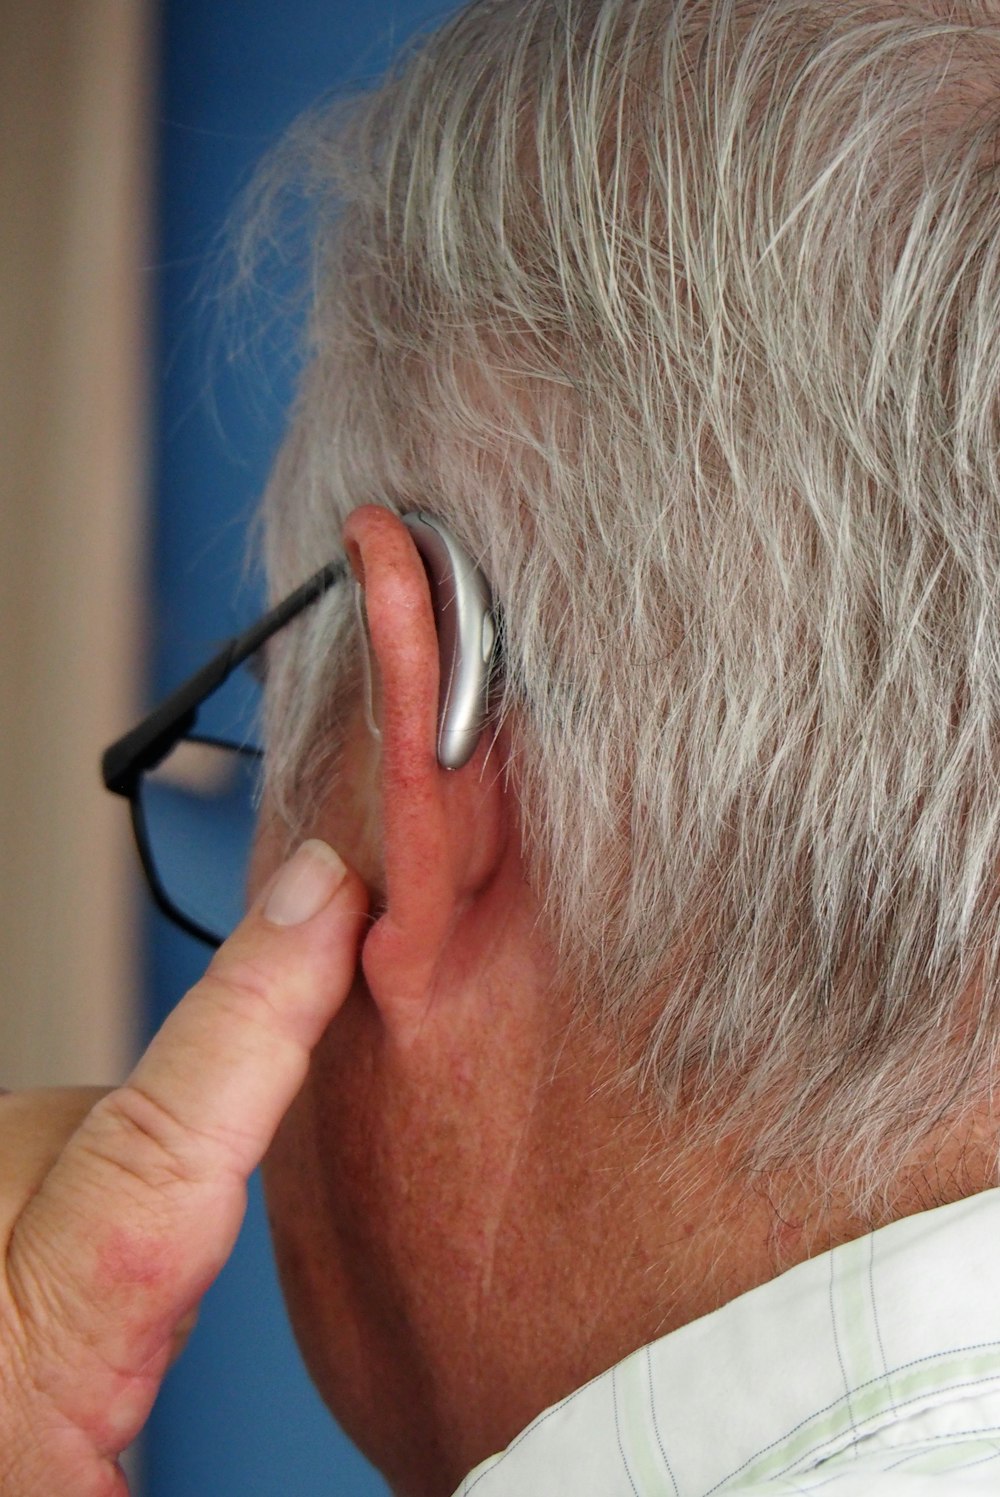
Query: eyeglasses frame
[(143, 747)]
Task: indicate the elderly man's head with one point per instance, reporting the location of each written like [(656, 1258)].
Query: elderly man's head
[(685, 318)]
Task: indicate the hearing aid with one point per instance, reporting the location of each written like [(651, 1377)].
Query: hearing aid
[(467, 639)]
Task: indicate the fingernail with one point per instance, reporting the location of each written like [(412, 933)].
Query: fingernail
[(307, 882)]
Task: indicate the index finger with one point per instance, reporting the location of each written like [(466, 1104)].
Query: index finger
[(140, 1212), (220, 1075)]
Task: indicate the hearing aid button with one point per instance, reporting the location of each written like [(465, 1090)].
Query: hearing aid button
[(489, 637)]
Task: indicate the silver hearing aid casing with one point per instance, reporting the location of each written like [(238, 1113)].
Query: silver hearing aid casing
[(467, 635)]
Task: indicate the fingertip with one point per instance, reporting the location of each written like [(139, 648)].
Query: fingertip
[(305, 885)]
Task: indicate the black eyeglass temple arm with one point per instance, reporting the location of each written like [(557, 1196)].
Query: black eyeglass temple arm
[(151, 740)]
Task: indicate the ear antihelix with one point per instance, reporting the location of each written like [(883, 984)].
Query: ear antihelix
[(372, 691)]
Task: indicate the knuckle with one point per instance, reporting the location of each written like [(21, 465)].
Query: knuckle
[(245, 989), (154, 1150), (243, 986), (137, 1135)]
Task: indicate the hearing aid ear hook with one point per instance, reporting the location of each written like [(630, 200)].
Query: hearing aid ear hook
[(467, 640)]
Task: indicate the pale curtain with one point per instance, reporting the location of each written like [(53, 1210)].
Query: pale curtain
[(75, 142)]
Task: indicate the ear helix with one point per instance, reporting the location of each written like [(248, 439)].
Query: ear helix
[(368, 669)]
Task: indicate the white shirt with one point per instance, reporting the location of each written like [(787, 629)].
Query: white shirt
[(870, 1371)]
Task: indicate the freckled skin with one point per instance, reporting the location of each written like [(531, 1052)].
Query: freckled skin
[(379, 1185), (446, 1269)]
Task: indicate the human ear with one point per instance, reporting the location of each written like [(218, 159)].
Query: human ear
[(442, 829)]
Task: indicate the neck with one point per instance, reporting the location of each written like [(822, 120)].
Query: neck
[(629, 1231)]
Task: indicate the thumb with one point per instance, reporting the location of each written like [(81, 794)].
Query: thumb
[(141, 1210)]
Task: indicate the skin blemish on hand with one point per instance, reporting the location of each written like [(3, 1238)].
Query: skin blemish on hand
[(155, 1288), (145, 1287), (132, 1258)]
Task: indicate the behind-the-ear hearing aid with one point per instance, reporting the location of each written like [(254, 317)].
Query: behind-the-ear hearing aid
[(467, 639)]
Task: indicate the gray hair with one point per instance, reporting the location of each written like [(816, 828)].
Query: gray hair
[(685, 316)]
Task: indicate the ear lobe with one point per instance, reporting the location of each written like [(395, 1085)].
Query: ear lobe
[(440, 828)]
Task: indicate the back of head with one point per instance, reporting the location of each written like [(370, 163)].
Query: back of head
[(685, 317)]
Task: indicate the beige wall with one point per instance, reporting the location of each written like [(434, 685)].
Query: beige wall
[(74, 149)]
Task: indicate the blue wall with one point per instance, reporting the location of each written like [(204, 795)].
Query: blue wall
[(237, 1415)]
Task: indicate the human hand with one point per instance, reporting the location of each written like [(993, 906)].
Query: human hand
[(118, 1209)]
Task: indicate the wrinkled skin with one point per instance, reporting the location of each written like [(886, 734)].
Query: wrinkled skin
[(118, 1208)]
